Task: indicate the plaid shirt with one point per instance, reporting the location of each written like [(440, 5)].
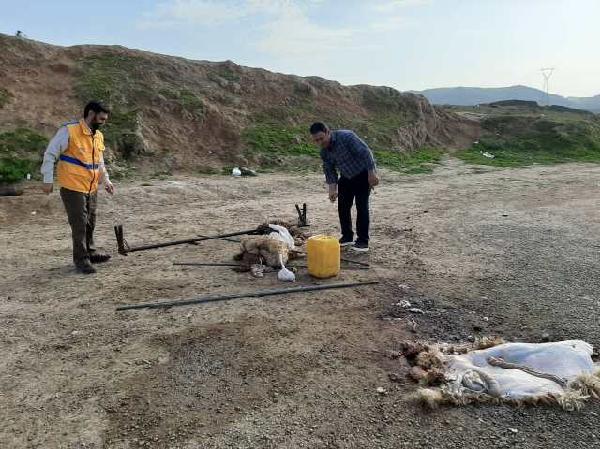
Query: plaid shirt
[(346, 153)]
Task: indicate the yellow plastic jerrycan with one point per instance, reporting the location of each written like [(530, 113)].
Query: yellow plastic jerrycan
[(323, 253)]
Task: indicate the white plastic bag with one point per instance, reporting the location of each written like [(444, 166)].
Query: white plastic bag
[(236, 172), (284, 274), (281, 233)]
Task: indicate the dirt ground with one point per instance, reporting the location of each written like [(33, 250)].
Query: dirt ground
[(518, 246)]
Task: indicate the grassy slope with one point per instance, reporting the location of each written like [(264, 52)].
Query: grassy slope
[(277, 139), (524, 136), (275, 144), (20, 153)]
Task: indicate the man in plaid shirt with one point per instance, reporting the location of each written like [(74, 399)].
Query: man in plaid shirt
[(344, 152)]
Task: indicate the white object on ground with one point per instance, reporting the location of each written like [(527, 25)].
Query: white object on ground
[(472, 372), (284, 274), (236, 172), (281, 233), (488, 155)]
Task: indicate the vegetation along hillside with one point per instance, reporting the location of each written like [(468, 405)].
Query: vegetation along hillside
[(176, 115)]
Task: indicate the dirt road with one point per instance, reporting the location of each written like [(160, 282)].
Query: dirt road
[(483, 252)]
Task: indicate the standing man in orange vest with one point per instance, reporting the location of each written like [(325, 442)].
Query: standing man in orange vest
[(78, 147)]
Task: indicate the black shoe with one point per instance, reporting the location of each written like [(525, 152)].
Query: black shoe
[(99, 257), (360, 247), (345, 242), (86, 268)]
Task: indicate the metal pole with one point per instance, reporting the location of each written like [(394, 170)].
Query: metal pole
[(256, 294), (206, 264), (223, 238), (230, 264), (119, 233)]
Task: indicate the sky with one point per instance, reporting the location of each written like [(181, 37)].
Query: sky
[(405, 44)]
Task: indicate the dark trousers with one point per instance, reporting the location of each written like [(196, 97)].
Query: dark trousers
[(81, 211), (358, 189)]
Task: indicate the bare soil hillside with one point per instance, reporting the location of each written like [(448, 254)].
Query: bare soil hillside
[(176, 114)]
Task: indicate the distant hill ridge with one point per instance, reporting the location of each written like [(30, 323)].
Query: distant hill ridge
[(471, 96)]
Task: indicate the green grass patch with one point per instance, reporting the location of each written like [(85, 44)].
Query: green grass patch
[(22, 142), (229, 74), (423, 160), (277, 147), (281, 140), (114, 79), (224, 71), (21, 152), (379, 132), (187, 99), (289, 148), (111, 78), (120, 133), (515, 142), (14, 170)]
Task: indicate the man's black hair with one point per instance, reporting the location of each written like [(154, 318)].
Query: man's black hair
[(318, 127), (96, 106)]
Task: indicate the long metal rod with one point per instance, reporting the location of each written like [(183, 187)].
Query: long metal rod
[(256, 294), (223, 238), (194, 240), (223, 264), (230, 264), (206, 264)]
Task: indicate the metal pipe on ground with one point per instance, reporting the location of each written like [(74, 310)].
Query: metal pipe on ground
[(125, 249), (231, 264), (255, 294)]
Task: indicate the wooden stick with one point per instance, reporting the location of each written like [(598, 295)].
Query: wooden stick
[(256, 294)]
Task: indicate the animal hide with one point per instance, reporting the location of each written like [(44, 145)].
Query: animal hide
[(514, 373), (262, 250)]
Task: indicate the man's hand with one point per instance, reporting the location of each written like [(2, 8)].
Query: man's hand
[(108, 186), (333, 193), (373, 179), (47, 188)]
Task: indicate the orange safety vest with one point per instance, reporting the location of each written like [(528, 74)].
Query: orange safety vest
[(79, 165)]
